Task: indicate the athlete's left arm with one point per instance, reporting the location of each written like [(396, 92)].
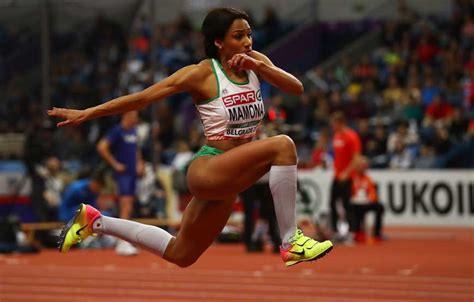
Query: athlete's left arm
[(264, 67)]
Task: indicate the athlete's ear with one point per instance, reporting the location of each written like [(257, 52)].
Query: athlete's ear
[(218, 44)]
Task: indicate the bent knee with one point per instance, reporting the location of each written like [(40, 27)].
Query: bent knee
[(287, 148), (185, 261), (285, 141)]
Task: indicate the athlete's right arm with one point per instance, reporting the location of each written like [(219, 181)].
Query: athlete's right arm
[(187, 79)]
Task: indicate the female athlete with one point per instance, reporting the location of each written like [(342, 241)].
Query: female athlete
[(226, 92)]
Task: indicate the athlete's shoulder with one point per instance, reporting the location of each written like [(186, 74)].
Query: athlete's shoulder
[(205, 68), (199, 71)]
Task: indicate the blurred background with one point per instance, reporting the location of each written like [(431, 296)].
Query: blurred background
[(402, 72)]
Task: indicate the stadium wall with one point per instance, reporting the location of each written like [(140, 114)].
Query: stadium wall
[(414, 197)]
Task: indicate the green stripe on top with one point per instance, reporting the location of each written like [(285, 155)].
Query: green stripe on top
[(223, 71), (218, 87)]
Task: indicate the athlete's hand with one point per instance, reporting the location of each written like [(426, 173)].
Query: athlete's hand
[(243, 61), (70, 116)]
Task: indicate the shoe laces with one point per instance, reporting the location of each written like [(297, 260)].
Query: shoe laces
[(298, 234)]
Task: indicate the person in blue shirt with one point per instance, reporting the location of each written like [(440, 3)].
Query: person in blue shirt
[(79, 191), (119, 149)]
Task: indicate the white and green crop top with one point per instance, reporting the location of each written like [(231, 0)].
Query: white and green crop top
[(236, 111)]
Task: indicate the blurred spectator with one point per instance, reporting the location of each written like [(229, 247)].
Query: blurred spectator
[(321, 114), (426, 159), (429, 91), (318, 79), (166, 130), (342, 71), (38, 146), (442, 143), (426, 50), (364, 70), (467, 32), (320, 156), (347, 149), (182, 157), (401, 157), (371, 97), (458, 124), (259, 212), (393, 94), (150, 194), (439, 111), (54, 184), (276, 111), (468, 89), (335, 102), (80, 191), (356, 109), (363, 129), (119, 149), (412, 109), (303, 113), (402, 134), (364, 199), (376, 149)]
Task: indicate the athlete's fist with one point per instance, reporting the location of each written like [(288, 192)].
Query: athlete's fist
[(70, 116), (243, 61)]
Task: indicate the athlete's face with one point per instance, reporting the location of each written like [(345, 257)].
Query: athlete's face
[(238, 39)]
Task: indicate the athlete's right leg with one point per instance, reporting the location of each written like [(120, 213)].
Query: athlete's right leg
[(239, 168), (209, 177)]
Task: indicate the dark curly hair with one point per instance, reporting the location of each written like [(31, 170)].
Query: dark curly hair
[(215, 26)]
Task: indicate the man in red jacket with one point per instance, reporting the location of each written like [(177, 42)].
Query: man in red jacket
[(347, 149)]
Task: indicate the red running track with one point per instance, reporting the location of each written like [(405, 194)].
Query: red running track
[(414, 265)]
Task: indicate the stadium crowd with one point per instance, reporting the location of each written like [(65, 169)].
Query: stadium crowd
[(410, 99)]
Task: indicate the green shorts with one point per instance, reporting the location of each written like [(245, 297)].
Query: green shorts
[(206, 150)]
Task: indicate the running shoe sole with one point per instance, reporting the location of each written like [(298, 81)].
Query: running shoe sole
[(66, 229), (317, 257)]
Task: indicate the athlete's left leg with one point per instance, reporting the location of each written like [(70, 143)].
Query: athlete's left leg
[(202, 221)]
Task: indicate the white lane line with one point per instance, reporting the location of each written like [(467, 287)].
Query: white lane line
[(113, 281), (229, 273), (27, 297), (217, 290)]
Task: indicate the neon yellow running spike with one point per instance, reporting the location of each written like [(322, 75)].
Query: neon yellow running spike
[(78, 228), (304, 248)]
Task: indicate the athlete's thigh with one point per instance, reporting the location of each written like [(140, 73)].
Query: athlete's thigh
[(234, 170), (202, 222)]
